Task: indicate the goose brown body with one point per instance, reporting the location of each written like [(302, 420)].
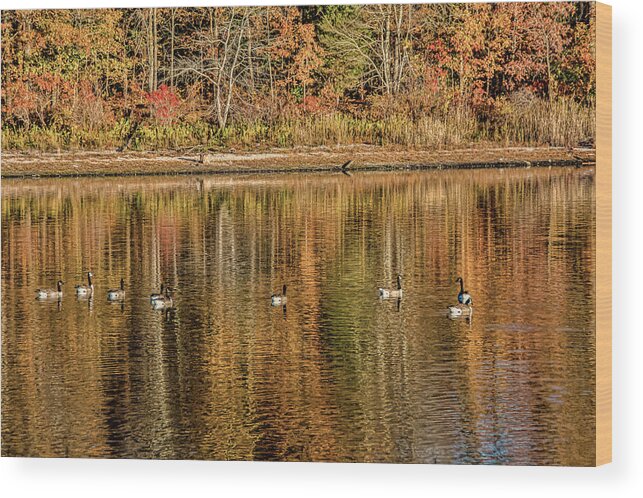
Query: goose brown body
[(388, 293), (117, 294), (84, 290), (56, 293), (277, 299), (163, 302)]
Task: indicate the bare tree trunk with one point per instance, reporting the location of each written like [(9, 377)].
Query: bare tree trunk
[(250, 62), (172, 29), (270, 73), (155, 47), (233, 67), (225, 60), (150, 53), (462, 76), (385, 44), (548, 58)]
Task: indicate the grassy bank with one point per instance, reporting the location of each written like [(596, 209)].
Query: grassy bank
[(311, 159), (561, 123)]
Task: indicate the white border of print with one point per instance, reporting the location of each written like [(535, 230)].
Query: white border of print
[(111, 478)]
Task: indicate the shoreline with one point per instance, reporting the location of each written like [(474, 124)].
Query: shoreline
[(284, 161)]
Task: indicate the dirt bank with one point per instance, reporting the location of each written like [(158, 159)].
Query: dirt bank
[(15, 165)]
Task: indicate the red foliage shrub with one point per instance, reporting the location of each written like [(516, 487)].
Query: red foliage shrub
[(311, 105), (164, 104)]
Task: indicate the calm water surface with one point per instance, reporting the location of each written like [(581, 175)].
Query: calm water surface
[(337, 375)]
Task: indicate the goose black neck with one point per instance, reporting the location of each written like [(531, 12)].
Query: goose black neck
[(283, 290), (89, 279), (461, 285), (60, 286), (122, 284), (399, 282)]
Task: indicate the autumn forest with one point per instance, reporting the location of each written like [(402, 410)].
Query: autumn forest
[(424, 76)]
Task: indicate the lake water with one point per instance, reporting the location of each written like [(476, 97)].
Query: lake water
[(337, 374)]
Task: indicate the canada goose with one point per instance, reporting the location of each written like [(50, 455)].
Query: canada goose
[(386, 293), (117, 294), (277, 299), (84, 290), (465, 302), (160, 295), (164, 301), (463, 297), (56, 293)]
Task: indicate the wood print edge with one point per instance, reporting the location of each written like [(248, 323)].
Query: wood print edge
[(603, 233)]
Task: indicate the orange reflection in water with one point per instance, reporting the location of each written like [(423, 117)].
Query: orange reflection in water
[(336, 375)]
